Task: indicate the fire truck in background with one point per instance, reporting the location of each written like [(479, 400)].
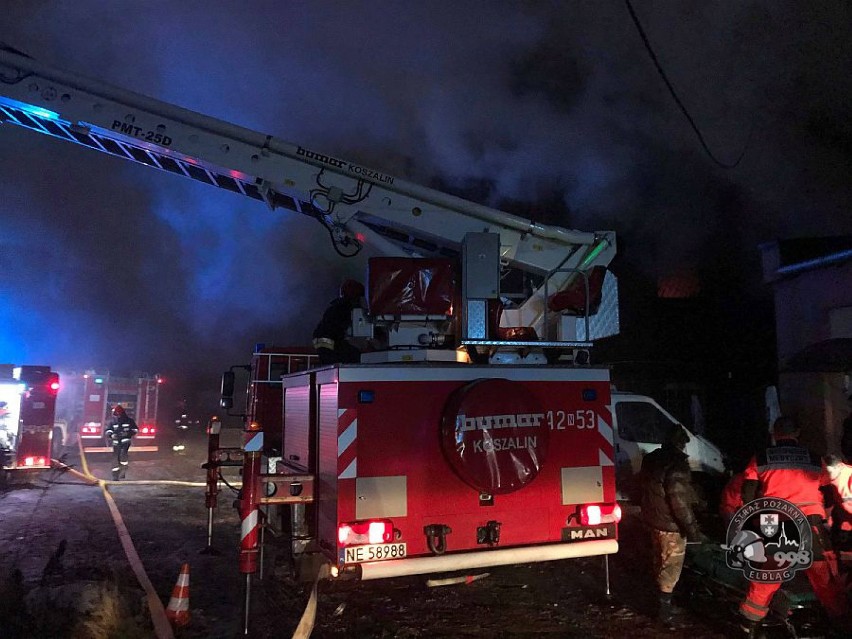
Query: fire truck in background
[(100, 392), (473, 433), (27, 410)]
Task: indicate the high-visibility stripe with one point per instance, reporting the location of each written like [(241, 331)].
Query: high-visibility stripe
[(753, 611), (345, 416), (351, 471), (605, 430), (347, 443), (255, 443), (179, 605), (606, 433), (248, 524), (348, 436)]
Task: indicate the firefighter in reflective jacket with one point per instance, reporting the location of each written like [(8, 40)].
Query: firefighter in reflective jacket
[(330, 334), (791, 472), (120, 431)]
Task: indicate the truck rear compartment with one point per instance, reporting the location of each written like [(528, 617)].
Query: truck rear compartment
[(461, 464)]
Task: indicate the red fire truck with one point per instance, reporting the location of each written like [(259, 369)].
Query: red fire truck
[(473, 432), (139, 395), (27, 410)]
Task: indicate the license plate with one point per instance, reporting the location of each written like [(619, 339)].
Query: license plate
[(372, 552)]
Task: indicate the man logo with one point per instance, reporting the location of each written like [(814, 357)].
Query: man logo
[(582, 534), (768, 524)]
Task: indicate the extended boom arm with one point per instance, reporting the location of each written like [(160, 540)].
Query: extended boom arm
[(355, 203)]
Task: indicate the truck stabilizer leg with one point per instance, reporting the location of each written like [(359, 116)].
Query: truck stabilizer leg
[(212, 493)]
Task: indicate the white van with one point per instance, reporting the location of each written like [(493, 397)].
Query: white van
[(641, 425)]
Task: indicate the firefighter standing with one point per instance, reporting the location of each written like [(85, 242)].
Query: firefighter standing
[(330, 334), (779, 471), (667, 500), (120, 431)]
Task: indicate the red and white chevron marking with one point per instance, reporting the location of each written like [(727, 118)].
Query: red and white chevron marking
[(248, 529), (347, 443), (606, 432)]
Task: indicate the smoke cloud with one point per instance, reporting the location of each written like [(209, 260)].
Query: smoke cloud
[(550, 108)]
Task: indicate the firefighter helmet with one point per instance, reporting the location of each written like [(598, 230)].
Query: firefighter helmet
[(351, 289), (118, 410)]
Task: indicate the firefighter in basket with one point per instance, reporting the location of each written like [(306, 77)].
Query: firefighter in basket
[(120, 432), (330, 334)]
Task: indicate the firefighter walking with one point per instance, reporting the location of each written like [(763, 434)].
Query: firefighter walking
[(791, 472), (120, 431)]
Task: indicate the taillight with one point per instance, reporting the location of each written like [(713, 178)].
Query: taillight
[(35, 461), (594, 514), (365, 532)]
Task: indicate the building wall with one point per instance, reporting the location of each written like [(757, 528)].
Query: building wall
[(811, 307), (818, 403), (804, 305)]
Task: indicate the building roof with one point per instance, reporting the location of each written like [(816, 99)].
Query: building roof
[(786, 258)]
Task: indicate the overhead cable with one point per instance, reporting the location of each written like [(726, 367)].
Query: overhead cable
[(674, 95)]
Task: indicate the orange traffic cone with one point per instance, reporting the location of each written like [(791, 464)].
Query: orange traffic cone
[(178, 609)]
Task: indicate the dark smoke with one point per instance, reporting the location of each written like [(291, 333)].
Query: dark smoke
[(549, 109)]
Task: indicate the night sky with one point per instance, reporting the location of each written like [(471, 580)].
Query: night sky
[(553, 110)]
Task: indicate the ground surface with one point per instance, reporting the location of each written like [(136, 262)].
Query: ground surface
[(75, 581)]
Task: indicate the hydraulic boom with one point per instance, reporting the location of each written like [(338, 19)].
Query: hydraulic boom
[(356, 204)]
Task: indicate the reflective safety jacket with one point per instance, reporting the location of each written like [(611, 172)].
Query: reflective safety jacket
[(790, 472), (121, 429)]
